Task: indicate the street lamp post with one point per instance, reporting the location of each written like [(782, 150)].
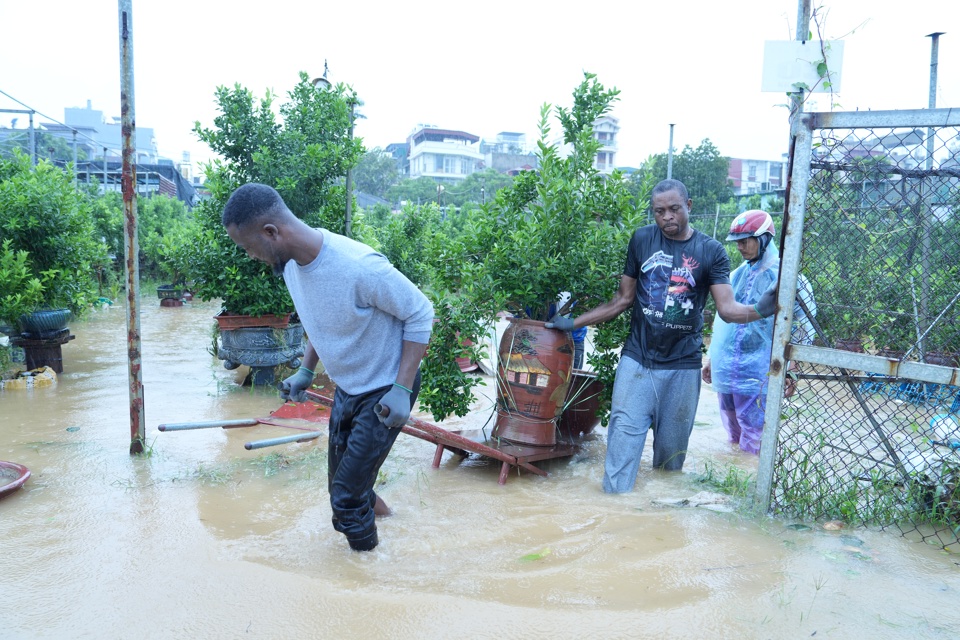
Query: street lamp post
[(322, 83), (346, 223)]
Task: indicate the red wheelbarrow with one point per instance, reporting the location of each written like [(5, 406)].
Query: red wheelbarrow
[(286, 416)]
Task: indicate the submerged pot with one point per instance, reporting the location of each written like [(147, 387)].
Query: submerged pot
[(228, 321), (169, 291), (533, 375), (44, 323), (259, 347)]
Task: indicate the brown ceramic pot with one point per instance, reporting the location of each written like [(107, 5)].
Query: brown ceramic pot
[(533, 374), (581, 407), (849, 344), (941, 358)]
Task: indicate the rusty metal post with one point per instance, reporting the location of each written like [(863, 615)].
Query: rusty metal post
[(786, 295), (131, 248), (798, 176)]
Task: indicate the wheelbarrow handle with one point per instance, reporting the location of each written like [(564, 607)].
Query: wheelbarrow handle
[(300, 437), (226, 424)]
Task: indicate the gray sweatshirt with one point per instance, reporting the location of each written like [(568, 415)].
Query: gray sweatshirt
[(356, 309)]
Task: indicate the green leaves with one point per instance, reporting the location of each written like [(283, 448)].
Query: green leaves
[(20, 291), (446, 390), (42, 214), (304, 155)]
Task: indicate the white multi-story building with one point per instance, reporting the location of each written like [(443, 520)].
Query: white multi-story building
[(755, 176), (102, 139), (445, 155), (605, 129), (509, 153)]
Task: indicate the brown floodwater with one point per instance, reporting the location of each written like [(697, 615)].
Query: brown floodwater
[(203, 539)]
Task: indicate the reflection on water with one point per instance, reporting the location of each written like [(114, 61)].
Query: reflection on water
[(201, 538)]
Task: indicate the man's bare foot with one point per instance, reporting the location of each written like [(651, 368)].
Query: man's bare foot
[(380, 509)]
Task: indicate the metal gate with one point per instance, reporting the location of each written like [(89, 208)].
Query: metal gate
[(871, 435)]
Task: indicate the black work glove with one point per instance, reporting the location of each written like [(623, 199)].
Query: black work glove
[(393, 410), (767, 304), (559, 322), (293, 388)]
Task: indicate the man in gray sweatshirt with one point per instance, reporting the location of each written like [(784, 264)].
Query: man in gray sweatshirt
[(368, 325)]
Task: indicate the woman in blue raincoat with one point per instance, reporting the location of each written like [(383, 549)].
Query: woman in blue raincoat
[(739, 356)]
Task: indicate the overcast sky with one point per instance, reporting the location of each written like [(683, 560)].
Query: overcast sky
[(481, 67)]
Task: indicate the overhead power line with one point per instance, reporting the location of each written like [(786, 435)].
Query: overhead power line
[(99, 143)]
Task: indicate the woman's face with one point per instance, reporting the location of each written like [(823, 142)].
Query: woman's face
[(748, 248)]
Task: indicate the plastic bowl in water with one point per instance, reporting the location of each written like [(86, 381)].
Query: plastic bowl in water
[(12, 476)]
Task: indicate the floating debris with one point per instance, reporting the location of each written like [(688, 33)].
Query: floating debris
[(531, 557), (42, 377), (833, 525), (704, 499)]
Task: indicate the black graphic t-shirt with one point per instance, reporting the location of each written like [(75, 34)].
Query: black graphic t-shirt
[(673, 281)]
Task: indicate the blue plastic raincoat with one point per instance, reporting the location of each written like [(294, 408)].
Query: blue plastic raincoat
[(740, 353)]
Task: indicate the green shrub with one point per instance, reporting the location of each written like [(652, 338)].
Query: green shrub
[(43, 214)]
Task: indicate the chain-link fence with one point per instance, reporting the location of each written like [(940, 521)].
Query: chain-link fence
[(869, 428)]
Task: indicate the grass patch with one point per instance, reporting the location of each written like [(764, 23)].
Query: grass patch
[(726, 478)]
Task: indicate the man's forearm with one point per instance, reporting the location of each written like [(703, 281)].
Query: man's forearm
[(310, 357), (601, 313), (410, 358), (737, 313)]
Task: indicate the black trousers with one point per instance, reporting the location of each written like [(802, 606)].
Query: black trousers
[(357, 447)]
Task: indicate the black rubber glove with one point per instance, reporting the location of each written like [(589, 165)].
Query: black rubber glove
[(559, 322), (767, 304), (394, 407), (293, 388)]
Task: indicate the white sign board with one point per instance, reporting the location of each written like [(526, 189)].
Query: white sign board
[(789, 63)]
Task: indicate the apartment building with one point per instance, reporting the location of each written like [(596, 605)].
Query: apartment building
[(750, 176), (446, 155)]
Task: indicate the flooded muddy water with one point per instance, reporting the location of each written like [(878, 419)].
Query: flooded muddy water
[(201, 538)]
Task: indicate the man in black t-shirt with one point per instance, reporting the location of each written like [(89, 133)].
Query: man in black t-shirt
[(670, 269)]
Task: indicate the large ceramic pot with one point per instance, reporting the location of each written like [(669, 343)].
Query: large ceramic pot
[(227, 321), (849, 344), (261, 348), (169, 291), (44, 323), (580, 415), (533, 375), (941, 358)]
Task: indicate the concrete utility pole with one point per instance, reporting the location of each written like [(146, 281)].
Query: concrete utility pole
[(803, 34), (130, 245), (75, 158), (670, 156), (927, 220), (33, 142)]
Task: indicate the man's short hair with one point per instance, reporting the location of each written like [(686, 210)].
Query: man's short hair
[(670, 185), (251, 202)]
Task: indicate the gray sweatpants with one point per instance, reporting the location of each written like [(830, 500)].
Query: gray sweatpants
[(665, 399)]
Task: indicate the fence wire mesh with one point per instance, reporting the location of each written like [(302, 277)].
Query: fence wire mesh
[(881, 242)]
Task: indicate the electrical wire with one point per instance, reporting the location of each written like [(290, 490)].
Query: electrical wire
[(118, 148)]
